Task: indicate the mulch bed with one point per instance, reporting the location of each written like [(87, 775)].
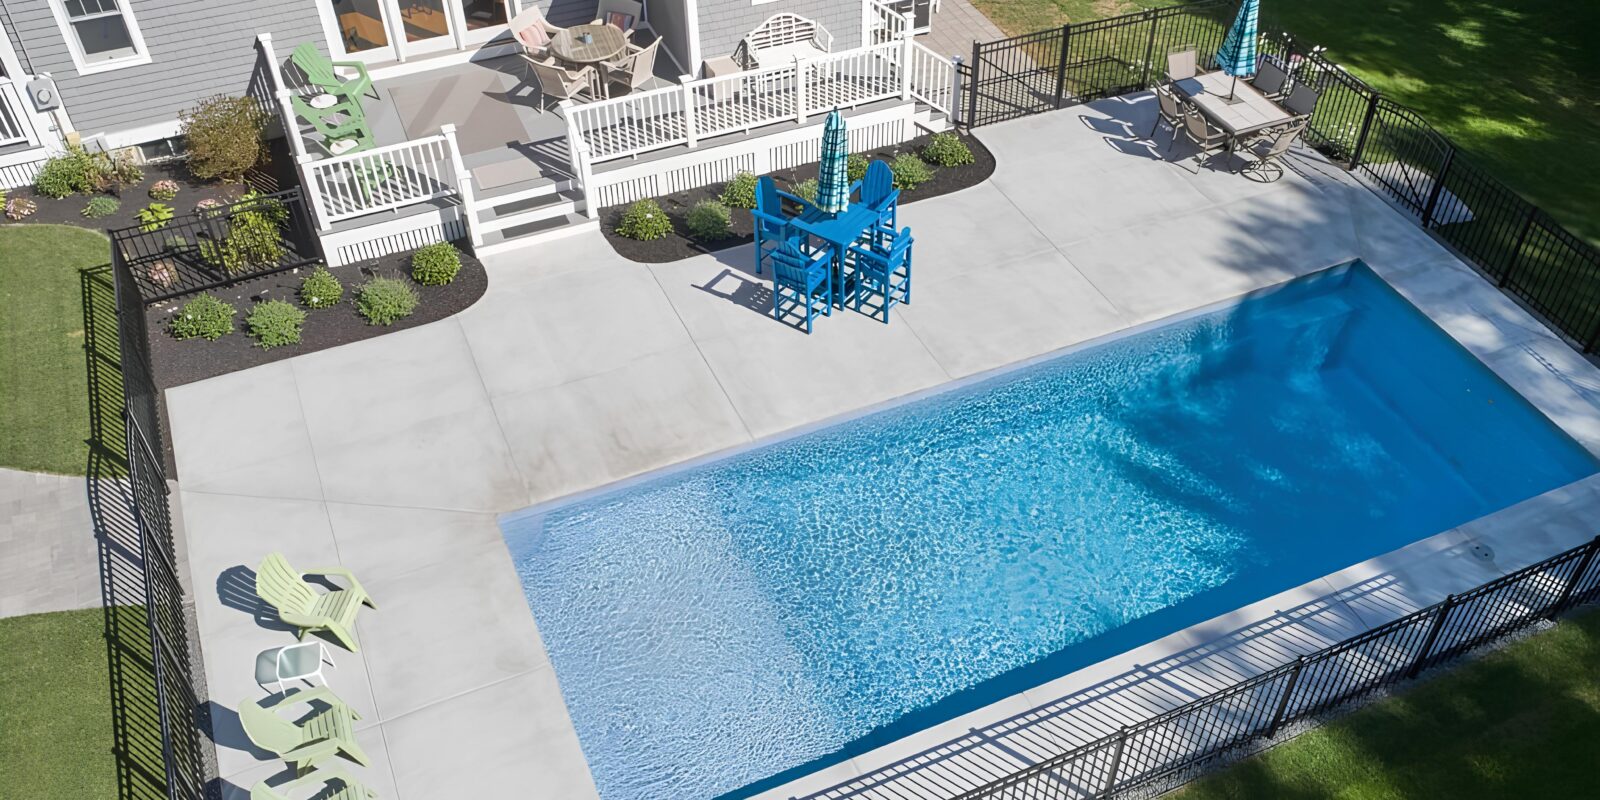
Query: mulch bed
[(69, 210), (679, 246), (178, 362)]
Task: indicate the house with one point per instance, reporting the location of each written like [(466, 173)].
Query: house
[(115, 74)]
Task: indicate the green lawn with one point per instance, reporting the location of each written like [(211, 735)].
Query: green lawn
[(1514, 82), (56, 738), (44, 406), (1523, 722)]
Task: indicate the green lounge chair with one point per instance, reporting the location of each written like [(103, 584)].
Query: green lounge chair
[(301, 605), (320, 73), (322, 780), (327, 732)]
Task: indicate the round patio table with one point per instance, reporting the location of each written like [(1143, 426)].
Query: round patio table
[(605, 42)]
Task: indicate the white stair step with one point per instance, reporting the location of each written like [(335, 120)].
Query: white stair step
[(510, 194), (527, 235), (489, 221)]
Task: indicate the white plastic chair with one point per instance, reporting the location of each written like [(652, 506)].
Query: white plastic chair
[(293, 662)]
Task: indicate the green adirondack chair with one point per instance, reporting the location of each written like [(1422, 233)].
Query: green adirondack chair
[(323, 779), (327, 732), (301, 605), (341, 134), (319, 71)]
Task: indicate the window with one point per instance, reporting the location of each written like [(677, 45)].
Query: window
[(101, 34)]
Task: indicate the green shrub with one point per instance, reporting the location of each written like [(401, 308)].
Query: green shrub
[(118, 171), (74, 172), (20, 208), (806, 190), (255, 236), (947, 150), (909, 171), (740, 192), (205, 317), (208, 206), (383, 301), (275, 323), (320, 289), (709, 221), (103, 205), (855, 166), (224, 137), (645, 221), (164, 190), (435, 264), (154, 217)]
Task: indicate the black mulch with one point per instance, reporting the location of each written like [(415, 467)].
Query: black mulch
[(178, 362), (680, 246)]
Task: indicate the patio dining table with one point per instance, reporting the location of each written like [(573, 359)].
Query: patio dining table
[(840, 230), (1250, 112), (605, 42)]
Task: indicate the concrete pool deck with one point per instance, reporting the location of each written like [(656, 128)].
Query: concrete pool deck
[(393, 456)]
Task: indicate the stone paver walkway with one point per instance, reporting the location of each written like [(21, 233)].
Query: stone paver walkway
[(393, 456), (49, 558)]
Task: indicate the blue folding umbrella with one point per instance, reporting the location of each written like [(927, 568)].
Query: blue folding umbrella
[(833, 175), (1237, 56)]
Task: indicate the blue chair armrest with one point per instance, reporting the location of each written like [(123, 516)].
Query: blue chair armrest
[(762, 216)]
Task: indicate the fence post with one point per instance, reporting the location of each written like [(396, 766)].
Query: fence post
[(972, 89), (1516, 249), (907, 40), (1061, 65), (955, 91), (800, 90), (469, 207), (689, 109), (1149, 51), (1577, 575), (1438, 187), (1433, 636), (1283, 702), (1366, 128), (1116, 761)]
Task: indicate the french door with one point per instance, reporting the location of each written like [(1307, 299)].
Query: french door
[(399, 30)]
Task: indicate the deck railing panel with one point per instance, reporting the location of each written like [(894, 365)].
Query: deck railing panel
[(381, 179)]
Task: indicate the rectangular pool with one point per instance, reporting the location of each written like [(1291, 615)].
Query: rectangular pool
[(716, 625)]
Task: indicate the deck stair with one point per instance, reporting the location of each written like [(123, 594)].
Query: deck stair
[(523, 214)]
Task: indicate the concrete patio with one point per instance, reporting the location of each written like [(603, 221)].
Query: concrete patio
[(393, 456)]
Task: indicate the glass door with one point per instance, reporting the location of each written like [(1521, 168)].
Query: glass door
[(363, 29), (399, 30), (482, 20), (426, 26)]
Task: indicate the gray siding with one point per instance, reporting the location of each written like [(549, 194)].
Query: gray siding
[(668, 21), (724, 22), (199, 48)]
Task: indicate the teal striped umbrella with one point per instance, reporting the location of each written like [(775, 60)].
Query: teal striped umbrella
[(1237, 56), (833, 175)]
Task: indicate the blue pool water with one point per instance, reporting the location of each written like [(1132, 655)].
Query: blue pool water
[(715, 626)]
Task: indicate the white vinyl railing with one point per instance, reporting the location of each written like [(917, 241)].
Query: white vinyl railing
[(381, 179), (881, 23), (11, 124), (933, 79)]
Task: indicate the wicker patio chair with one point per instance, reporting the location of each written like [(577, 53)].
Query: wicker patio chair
[(559, 83)]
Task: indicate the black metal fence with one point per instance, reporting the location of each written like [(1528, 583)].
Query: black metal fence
[(184, 745), (1554, 272), (1194, 735), (257, 235)]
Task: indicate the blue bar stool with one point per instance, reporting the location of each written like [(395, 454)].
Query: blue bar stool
[(883, 272)]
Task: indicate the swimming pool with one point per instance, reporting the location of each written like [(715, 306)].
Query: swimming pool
[(716, 625)]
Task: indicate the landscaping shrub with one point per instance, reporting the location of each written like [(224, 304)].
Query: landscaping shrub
[(709, 221), (855, 166), (909, 171), (645, 221), (947, 150), (740, 192), (320, 289), (103, 205), (435, 264), (255, 238), (73, 172), (383, 301), (205, 317), (154, 217), (164, 190), (207, 206), (807, 190), (117, 171), (224, 137), (275, 323), (20, 208)]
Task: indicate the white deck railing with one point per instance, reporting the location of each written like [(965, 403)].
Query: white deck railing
[(880, 22), (933, 79), (381, 179)]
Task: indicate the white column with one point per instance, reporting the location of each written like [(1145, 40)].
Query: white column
[(689, 121), (463, 178), (800, 71), (313, 190), (954, 111), (907, 21)]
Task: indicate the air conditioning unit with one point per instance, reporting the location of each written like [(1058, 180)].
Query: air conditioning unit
[(42, 91)]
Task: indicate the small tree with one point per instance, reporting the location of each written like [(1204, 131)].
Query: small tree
[(224, 137)]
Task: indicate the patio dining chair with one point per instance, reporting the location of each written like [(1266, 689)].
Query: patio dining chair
[(533, 32), (634, 69), (321, 781), (771, 225), (300, 605), (1181, 64), (877, 192), (621, 14), (559, 83), (1270, 79), (1303, 100), (1265, 152), (802, 280), (1169, 113), (883, 272), (1208, 139)]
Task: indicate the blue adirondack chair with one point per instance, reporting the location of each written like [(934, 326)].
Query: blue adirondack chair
[(801, 280), (771, 225), (883, 272), (878, 192)]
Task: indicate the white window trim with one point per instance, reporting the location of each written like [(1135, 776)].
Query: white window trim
[(86, 67)]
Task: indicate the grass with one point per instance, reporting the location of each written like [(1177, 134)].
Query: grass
[(44, 389), (1522, 722), (1516, 83), (57, 736)]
